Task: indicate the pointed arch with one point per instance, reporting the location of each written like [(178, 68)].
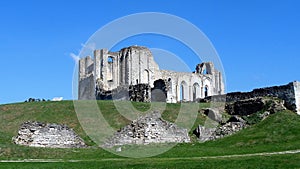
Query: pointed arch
[(184, 93), (196, 91), (145, 77), (206, 91)]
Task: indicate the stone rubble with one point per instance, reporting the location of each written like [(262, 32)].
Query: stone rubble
[(206, 134), (37, 134), (239, 112), (147, 129)]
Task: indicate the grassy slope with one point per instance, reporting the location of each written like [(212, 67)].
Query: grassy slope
[(279, 132)]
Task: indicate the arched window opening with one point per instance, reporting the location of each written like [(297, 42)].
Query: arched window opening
[(183, 91), (145, 77), (110, 69), (196, 91), (110, 60), (206, 91)]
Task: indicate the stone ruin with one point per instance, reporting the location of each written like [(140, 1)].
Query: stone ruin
[(37, 134), (240, 112), (138, 93), (289, 93), (147, 129), (134, 69)]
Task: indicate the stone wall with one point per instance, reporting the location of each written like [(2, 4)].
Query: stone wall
[(243, 113), (36, 134), (289, 93), (86, 91), (138, 93), (150, 128)]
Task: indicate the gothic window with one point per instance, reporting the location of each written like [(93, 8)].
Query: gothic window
[(206, 91), (110, 68)]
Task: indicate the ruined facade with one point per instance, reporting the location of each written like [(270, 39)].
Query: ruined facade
[(133, 72)]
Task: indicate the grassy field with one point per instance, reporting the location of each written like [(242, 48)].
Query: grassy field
[(279, 132)]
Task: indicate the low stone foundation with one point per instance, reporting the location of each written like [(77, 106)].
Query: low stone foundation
[(36, 134)]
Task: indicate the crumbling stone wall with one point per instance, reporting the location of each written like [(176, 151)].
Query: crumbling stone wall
[(150, 128), (138, 93), (243, 113), (289, 93), (37, 134)]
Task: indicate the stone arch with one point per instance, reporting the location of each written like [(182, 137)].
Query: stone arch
[(196, 91), (145, 77), (206, 91), (184, 92)]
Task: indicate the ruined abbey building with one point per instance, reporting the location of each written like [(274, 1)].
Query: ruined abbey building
[(132, 74)]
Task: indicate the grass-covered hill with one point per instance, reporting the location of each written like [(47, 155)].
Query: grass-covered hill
[(279, 132)]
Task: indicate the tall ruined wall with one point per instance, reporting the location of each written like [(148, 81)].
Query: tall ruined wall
[(129, 66), (138, 66), (86, 85)]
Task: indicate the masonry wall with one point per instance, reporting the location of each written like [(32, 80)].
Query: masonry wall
[(86, 84), (135, 65), (289, 93)]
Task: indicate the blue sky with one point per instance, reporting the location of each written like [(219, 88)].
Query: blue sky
[(258, 41)]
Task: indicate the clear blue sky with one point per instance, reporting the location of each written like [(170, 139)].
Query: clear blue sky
[(258, 41)]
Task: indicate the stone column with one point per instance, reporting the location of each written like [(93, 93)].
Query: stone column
[(81, 68), (97, 64), (103, 57), (297, 96)]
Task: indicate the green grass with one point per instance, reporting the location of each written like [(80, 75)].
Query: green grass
[(279, 132), (257, 162)]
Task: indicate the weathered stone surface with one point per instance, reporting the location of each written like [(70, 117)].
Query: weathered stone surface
[(236, 119), (244, 113), (206, 134), (150, 128), (253, 105), (139, 93), (245, 107), (213, 114), (290, 93), (37, 134), (135, 65)]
